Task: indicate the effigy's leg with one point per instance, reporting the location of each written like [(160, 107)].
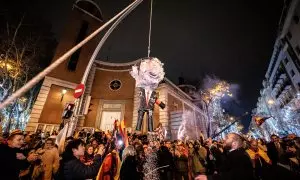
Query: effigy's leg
[(150, 120), (141, 113)]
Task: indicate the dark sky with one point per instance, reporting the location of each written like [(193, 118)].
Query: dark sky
[(231, 39)]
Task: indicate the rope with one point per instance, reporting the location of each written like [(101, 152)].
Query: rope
[(56, 63), (150, 28)]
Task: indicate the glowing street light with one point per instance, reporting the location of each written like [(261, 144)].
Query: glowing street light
[(63, 92), (231, 118)]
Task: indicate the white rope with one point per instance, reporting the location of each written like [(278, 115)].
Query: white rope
[(56, 63), (150, 28)]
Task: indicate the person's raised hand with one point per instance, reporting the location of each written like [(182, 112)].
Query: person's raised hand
[(20, 156), (32, 157)]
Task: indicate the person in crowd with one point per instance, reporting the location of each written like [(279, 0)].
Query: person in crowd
[(161, 132), (275, 149), (214, 157), (237, 164), (260, 159), (197, 155), (262, 144), (88, 157), (165, 158), (95, 145), (72, 168), (181, 162), (111, 165), (49, 159), (129, 164), (141, 158), (14, 158)]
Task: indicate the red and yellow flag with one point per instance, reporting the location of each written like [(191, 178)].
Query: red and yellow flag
[(259, 120)]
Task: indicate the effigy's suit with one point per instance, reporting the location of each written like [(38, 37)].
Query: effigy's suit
[(147, 103)]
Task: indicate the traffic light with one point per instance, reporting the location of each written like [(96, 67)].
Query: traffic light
[(68, 110)]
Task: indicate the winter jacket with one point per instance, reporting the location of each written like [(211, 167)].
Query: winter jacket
[(11, 166), (181, 163), (76, 170), (50, 160), (237, 166), (129, 169), (198, 160)]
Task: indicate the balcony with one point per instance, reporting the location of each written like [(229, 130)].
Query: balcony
[(279, 84)]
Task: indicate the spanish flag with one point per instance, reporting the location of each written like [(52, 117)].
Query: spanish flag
[(259, 120), (123, 133)]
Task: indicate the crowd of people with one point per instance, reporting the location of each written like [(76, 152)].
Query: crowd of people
[(106, 156)]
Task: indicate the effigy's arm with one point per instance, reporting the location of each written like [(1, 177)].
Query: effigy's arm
[(160, 104)]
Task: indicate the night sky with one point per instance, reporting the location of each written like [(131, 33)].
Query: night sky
[(230, 39)]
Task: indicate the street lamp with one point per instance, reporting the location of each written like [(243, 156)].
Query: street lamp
[(231, 118), (63, 92)]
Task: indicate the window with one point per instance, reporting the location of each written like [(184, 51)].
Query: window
[(75, 56), (289, 35), (286, 60), (296, 19), (297, 50), (292, 73), (298, 85), (115, 85)]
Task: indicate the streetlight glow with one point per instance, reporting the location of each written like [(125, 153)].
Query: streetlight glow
[(64, 91)]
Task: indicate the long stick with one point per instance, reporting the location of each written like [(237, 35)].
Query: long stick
[(51, 67)]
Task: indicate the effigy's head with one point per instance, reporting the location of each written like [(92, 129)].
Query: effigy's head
[(148, 73)]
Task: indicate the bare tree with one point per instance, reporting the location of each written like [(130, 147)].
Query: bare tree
[(23, 48)]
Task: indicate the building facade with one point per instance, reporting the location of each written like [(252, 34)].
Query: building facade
[(280, 94), (110, 90)]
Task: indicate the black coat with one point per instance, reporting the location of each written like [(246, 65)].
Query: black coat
[(165, 158), (273, 152), (11, 166), (237, 166), (75, 169), (129, 169)]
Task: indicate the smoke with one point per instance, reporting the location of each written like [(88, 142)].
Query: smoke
[(187, 128)]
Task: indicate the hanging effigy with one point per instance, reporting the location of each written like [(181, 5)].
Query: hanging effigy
[(148, 73)]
